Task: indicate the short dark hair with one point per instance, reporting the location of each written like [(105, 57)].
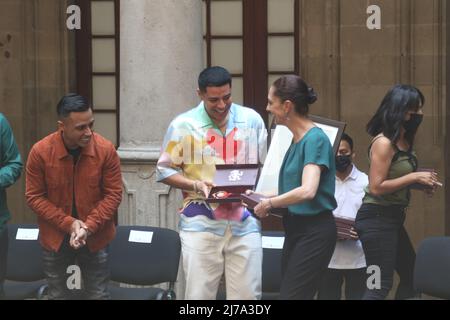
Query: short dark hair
[(295, 89), (71, 102), (213, 77), (348, 139), (391, 113)]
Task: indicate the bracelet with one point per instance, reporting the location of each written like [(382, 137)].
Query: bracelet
[(87, 229), (195, 186), (270, 203)]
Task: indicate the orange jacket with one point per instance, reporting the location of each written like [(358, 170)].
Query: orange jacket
[(50, 180)]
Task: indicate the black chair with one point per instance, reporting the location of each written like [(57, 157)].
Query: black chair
[(271, 267), (144, 264), (432, 268), (25, 278)]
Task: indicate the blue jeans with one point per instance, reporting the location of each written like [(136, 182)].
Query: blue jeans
[(3, 257), (94, 272), (386, 244)]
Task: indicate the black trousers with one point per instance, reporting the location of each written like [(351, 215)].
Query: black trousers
[(308, 247), (332, 280), (3, 258), (386, 244)]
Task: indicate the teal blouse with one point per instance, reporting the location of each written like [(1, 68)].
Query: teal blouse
[(313, 148)]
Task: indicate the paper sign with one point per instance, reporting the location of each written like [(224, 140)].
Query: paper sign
[(272, 242), (27, 234), (140, 236)]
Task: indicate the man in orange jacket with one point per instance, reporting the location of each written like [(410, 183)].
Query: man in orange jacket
[(74, 185)]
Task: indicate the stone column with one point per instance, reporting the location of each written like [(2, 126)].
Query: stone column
[(160, 59)]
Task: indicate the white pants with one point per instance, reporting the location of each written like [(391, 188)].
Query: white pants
[(206, 256)]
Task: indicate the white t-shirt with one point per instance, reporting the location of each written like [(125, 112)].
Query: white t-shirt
[(349, 193)]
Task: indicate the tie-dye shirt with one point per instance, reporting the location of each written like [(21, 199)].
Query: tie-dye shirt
[(193, 145)]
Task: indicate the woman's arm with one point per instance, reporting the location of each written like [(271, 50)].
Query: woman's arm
[(307, 191), (381, 156)]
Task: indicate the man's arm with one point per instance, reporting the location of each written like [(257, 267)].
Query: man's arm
[(36, 195), (10, 161), (112, 193), (181, 182)]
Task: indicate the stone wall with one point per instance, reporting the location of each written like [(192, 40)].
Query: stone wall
[(36, 68)]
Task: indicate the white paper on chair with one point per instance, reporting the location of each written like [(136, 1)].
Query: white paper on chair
[(272, 242), (27, 234), (140, 236)]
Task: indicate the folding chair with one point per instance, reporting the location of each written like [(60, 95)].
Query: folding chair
[(271, 266), (432, 268), (144, 256), (25, 278)]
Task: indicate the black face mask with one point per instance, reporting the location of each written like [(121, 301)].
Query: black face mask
[(413, 123), (342, 162)]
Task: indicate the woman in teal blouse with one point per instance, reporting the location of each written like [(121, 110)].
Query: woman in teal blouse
[(306, 187)]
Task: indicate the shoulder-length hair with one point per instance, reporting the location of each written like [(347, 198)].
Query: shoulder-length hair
[(391, 114)]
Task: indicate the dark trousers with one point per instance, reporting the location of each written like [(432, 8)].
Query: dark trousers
[(386, 244), (94, 272), (332, 280), (308, 247), (3, 258)]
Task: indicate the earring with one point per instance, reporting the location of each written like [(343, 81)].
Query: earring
[(286, 117)]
